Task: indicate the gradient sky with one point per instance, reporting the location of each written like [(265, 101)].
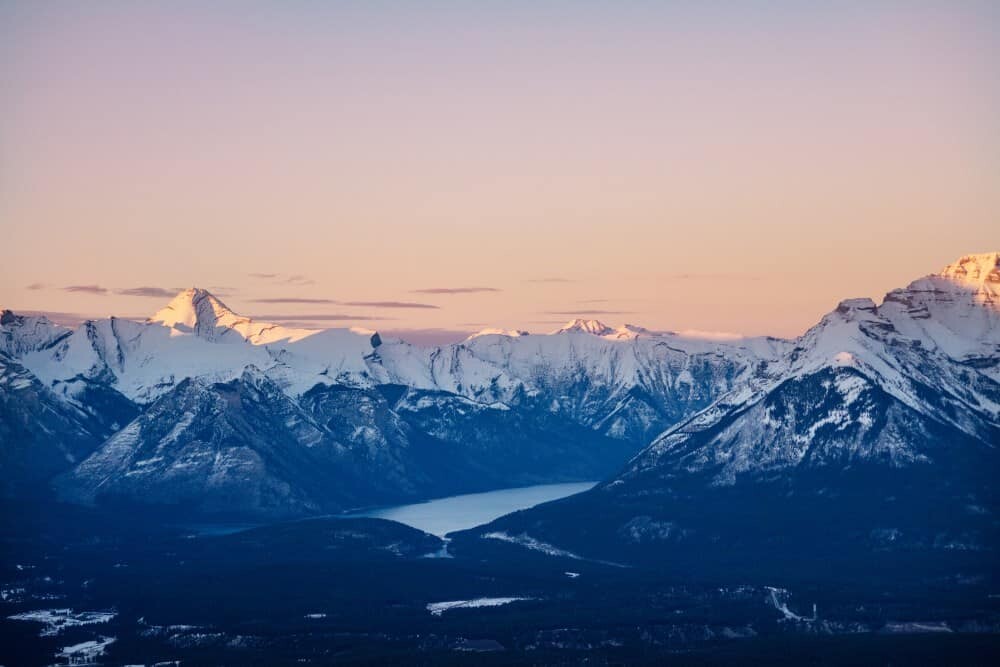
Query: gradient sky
[(681, 165)]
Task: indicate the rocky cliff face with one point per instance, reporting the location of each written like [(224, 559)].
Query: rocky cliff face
[(41, 434), (495, 410), (247, 416), (879, 415)]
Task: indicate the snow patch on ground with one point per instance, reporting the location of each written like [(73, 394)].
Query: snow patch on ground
[(529, 542), (438, 608), (779, 598), (55, 621), (85, 653)]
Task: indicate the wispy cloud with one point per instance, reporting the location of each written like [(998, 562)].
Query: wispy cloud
[(36, 286), (86, 289), (293, 299), (319, 317), (455, 290), (294, 279), (388, 304), (153, 292), (710, 276), (335, 302), (572, 313)]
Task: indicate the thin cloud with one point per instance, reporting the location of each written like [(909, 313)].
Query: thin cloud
[(152, 292), (36, 286), (589, 312), (86, 289), (294, 299), (294, 279), (319, 317), (388, 304), (362, 304), (455, 290), (711, 276)]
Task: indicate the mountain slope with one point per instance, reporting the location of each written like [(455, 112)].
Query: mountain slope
[(870, 437), (237, 447), (495, 410), (41, 435)]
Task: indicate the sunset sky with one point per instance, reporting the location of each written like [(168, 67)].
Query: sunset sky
[(405, 166)]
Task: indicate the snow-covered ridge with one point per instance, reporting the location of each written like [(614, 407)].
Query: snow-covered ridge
[(586, 367), (933, 347), (197, 311), (197, 335), (979, 272)]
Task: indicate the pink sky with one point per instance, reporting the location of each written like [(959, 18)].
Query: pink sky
[(737, 169)]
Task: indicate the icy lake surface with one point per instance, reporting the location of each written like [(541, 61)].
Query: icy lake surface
[(446, 515)]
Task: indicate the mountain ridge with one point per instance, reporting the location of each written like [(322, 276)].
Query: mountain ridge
[(924, 361)]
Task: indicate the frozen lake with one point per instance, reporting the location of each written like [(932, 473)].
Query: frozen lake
[(445, 515)]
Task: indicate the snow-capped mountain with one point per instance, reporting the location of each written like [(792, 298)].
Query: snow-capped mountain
[(20, 334), (40, 434), (500, 408), (896, 404), (890, 384)]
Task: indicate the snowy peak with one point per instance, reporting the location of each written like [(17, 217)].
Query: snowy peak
[(598, 328), (628, 331), (198, 311), (972, 280), (595, 327), (20, 334), (977, 272), (956, 310)]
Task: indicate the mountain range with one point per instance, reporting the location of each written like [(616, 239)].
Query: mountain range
[(205, 411), (878, 432)]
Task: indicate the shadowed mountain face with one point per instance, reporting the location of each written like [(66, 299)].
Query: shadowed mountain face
[(250, 418), (879, 433), (41, 434)]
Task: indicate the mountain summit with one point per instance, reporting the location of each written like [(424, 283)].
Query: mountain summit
[(199, 312), (877, 433), (196, 310)]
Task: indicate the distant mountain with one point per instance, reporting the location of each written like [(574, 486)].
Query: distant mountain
[(41, 434), (216, 412), (498, 409), (880, 431)]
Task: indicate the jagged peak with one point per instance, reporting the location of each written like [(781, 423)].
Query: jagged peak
[(628, 331), (9, 317), (194, 307), (595, 327), (974, 270), (864, 304)]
